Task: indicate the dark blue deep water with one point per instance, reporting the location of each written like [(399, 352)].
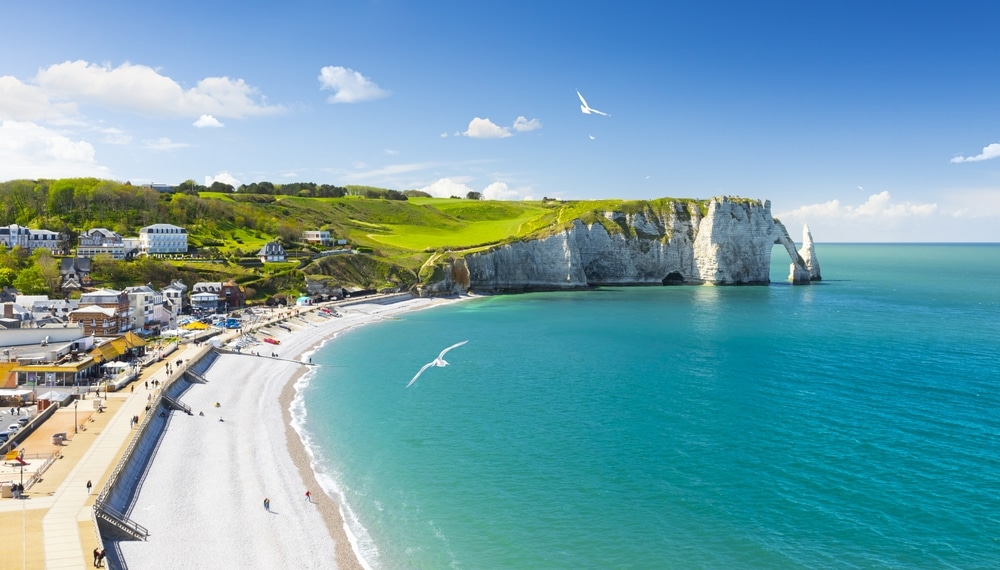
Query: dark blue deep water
[(852, 423)]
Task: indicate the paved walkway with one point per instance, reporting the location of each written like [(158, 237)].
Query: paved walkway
[(53, 526), (91, 456)]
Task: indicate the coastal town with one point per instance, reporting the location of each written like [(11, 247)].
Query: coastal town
[(81, 376)]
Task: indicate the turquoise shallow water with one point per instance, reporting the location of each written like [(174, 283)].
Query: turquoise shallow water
[(849, 424)]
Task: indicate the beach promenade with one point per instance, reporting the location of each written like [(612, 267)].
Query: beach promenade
[(53, 526)]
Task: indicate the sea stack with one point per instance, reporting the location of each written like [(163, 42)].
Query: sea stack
[(808, 254)]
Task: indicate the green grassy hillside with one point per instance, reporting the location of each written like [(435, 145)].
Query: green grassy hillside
[(400, 238)]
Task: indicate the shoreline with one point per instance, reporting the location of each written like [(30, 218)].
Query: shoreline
[(212, 468), (333, 511)]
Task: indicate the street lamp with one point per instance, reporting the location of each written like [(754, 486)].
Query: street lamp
[(76, 426)]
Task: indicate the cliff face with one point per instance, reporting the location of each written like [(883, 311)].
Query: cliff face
[(729, 245)]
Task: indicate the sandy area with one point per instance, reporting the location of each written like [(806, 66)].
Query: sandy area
[(202, 498)]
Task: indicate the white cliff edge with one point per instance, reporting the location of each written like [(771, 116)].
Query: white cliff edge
[(730, 245)]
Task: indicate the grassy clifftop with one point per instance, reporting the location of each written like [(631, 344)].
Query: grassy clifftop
[(400, 237)]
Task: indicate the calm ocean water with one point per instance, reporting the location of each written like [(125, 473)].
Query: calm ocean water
[(853, 423)]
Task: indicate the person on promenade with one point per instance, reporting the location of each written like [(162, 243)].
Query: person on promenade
[(100, 559), (267, 504), (97, 555), (89, 485), (309, 497)]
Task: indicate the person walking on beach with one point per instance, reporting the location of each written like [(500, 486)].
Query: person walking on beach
[(100, 559), (89, 485), (267, 504), (97, 555), (309, 497)]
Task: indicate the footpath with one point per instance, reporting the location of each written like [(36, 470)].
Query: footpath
[(52, 525)]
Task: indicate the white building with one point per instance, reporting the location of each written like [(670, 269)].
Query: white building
[(143, 300), (321, 237), (162, 238), (100, 241), (176, 295), (15, 235), (272, 252)]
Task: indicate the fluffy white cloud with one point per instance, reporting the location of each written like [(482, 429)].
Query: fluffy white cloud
[(446, 188), (877, 206), (225, 178), (30, 151), (207, 121), (876, 219), (486, 129), (501, 191), (989, 151), (523, 125), (142, 89), (22, 102), (348, 86)]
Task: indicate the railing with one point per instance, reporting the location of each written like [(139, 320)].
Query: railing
[(120, 521), (177, 405), (196, 377), (41, 470)]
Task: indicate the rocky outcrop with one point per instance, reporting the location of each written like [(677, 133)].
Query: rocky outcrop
[(808, 254), (679, 244)]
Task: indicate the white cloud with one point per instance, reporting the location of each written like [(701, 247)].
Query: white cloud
[(207, 121), (501, 191), (142, 89), (523, 125), (31, 151), (391, 152), (989, 151), (878, 218), (162, 143), (223, 177), (444, 135), (878, 206), (22, 102), (348, 86), (446, 188), (486, 129)]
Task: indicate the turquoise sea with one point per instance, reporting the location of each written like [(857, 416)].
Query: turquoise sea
[(852, 423)]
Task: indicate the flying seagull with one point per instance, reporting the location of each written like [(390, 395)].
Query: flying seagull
[(586, 108), (439, 361)]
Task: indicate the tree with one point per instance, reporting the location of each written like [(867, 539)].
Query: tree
[(48, 269), (473, 195), (222, 187), (7, 277), (30, 282)]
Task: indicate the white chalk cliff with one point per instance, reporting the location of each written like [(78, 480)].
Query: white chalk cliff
[(666, 243)]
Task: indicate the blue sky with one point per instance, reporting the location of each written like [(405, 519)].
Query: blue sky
[(870, 121)]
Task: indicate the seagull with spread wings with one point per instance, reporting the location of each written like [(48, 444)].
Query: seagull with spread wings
[(587, 109), (439, 361)]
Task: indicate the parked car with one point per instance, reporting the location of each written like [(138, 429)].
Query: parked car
[(12, 428), (4, 436), (23, 421)]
